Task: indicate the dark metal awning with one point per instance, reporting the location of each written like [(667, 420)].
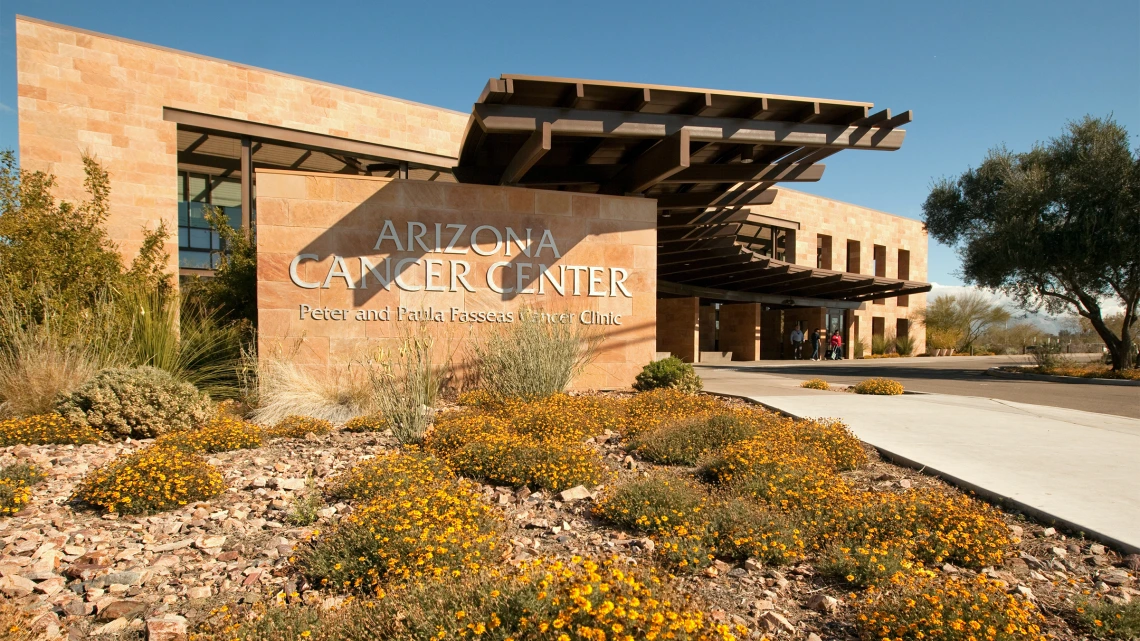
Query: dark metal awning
[(704, 155)]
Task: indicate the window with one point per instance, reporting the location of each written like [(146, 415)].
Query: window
[(879, 256), (902, 327), (196, 241), (853, 256), (904, 274), (822, 251), (767, 240)]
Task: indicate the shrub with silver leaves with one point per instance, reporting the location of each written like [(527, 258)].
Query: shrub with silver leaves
[(140, 402)]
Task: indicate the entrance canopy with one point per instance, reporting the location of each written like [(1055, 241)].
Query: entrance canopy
[(704, 155)]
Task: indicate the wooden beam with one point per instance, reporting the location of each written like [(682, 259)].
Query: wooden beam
[(530, 153), (640, 100), (704, 199), (811, 112), (246, 184), (751, 173), (702, 218), (726, 254), (756, 110), (797, 286), (727, 243), (678, 289), (664, 159), (683, 234), (572, 95), (697, 105), (497, 91), (718, 270), (827, 288), (874, 119), (508, 119), (766, 272), (899, 120)]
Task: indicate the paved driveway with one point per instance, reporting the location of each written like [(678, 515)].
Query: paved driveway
[(957, 375)]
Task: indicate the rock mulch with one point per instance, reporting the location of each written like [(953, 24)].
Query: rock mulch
[(85, 575)]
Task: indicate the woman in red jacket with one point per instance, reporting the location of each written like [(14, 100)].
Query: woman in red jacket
[(836, 346)]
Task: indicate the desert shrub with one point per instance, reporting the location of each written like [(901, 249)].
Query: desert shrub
[(511, 459), (560, 417), (880, 344), (542, 599), (816, 383), (298, 426), (388, 475), (648, 410), (406, 383), (16, 483), (859, 348), (305, 509), (141, 402), (671, 373), (219, 434), (367, 423), (453, 430), (478, 398), (16, 623), (904, 345), (956, 609), (280, 388), (654, 504), (740, 529), (863, 565), (684, 442), (879, 386), (786, 476), (535, 356), (45, 429), (430, 529), (1105, 620), (153, 479)]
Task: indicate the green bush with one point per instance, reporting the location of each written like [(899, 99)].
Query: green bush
[(879, 386), (1105, 620), (904, 345), (671, 373), (881, 344), (684, 442), (141, 402)]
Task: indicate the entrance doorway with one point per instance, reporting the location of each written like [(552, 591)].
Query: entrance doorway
[(834, 320)]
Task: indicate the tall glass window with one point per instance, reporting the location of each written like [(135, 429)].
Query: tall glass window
[(197, 243)]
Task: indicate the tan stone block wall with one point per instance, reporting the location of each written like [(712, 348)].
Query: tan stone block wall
[(329, 215), (740, 330), (80, 91), (844, 221), (678, 328)]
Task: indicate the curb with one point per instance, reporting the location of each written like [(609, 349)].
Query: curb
[(1077, 380), (1000, 500)]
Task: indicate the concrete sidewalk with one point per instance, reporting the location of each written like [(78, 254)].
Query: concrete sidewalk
[(1078, 468)]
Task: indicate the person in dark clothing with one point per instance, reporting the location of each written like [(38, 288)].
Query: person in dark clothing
[(815, 344)]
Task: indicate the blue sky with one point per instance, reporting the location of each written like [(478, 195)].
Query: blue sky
[(976, 74)]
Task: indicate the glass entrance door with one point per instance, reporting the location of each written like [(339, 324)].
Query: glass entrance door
[(834, 320)]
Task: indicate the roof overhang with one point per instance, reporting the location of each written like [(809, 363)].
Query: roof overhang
[(704, 155)]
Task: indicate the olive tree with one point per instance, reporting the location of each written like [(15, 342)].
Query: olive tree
[(1056, 227)]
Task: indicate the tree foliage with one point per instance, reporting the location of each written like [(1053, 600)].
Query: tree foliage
[(962, 318), (57, 254), (1057, 227), (232, 291)]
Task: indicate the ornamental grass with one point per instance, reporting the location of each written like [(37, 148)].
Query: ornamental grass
[(922, 606), (154, 479), (686, 441), (46, 429), (816, 383), (220, 434), (545, 599), (879, 387), (296, 426), (16, 483)]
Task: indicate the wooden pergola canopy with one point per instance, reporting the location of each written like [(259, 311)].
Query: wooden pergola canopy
[(704, 155)]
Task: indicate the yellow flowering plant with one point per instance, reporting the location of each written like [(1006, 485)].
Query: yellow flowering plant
[(878, 386), (816, 383), (46, 429), (156, 478), (220, 434), (367, 423), (298, 426)]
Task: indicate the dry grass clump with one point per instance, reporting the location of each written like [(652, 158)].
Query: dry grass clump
[(286, 389), (693, 526), (15, 624), (545, 599), (1105, 620), (16, 483), (45, 429), (367, 423), (878, 386), (1090, 371), (441, 528), (816, 383), (220, 434), (137, 402), (686, 441), (156, 478), (387, 474), (298, 426), (514, 442), (920, 606)]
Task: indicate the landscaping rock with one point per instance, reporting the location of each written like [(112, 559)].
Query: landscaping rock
[(775, 622), (119, 610), (575, 493), (823, 603), (167, 628)]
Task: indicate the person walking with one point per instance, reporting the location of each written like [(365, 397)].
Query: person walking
[(836, 346), (797, 343), (815, 344)]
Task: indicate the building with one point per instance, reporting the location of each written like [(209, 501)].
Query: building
[(658, 214)]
